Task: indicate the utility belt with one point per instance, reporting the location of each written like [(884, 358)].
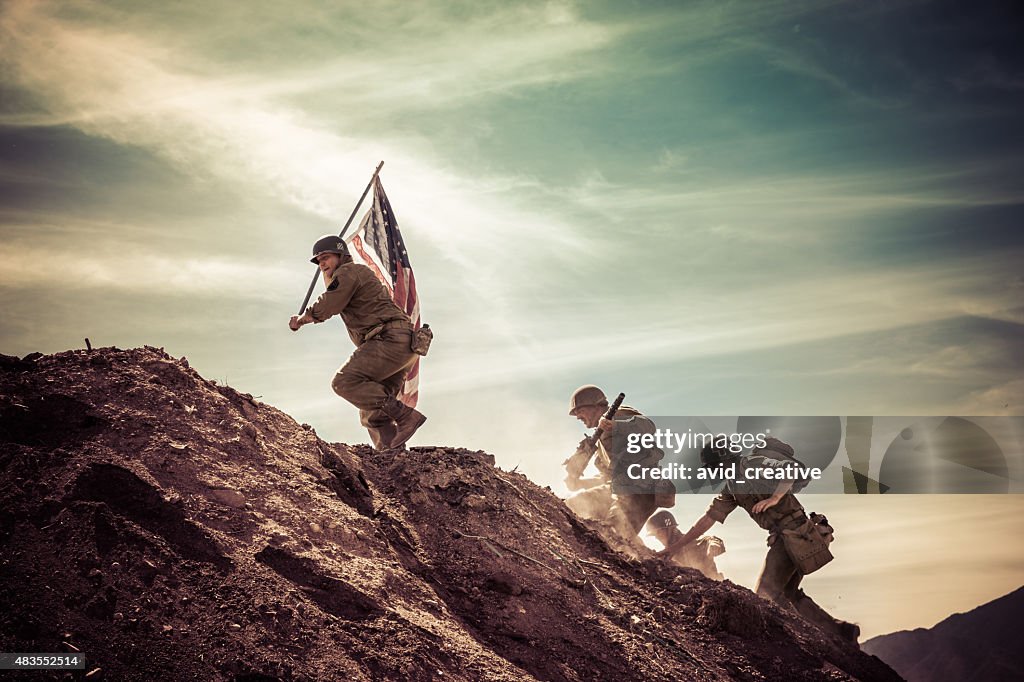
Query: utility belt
[(389, 324), (419, 342), (793, 519)]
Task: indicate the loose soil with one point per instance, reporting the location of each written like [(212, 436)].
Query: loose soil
[(170, 528)]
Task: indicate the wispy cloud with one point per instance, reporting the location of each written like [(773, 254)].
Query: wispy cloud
[(142, 93), (139, 272), (782, 314)]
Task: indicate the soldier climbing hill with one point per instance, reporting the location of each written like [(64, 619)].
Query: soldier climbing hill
[(699, 555), (798, 544), (383, 335), (610, 497)]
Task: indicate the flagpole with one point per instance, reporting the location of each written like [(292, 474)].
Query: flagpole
[(355, 210)]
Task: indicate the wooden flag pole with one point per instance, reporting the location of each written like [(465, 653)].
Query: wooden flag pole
[(355, 210)]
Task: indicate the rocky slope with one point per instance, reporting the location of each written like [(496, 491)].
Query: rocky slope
[(986, 643), (171, 528)]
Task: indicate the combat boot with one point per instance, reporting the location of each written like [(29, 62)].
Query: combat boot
[(381, 436), (407, 420)]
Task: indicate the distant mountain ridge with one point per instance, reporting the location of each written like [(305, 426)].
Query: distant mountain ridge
[(986, 643)]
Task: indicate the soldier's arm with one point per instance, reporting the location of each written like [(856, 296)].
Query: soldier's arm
[(769, 502), (574, 484), (335, 299), (297, 321), (702, 526)]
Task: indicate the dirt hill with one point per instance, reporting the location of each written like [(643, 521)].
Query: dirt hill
[(172, 528)]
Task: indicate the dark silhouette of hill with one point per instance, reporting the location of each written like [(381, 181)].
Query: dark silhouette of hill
[(170, 528), (986, 643)]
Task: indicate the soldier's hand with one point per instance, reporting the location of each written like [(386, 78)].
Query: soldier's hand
[(766, 504), (294, 323), (606, 425), (586, 448)]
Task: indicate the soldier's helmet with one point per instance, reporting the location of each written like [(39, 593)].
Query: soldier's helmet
[(771, 443), (587, 395), (712, 457), (329, 243), (662, 519)]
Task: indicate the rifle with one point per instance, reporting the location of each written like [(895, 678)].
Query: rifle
[(577, 463)]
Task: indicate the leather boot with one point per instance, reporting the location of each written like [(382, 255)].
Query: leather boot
[(407, 420), (381, 436)]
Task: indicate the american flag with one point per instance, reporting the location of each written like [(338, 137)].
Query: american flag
[(379, 245)]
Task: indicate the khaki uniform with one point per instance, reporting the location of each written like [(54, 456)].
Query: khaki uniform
[(382, 333), (627, 511), (780, 578)]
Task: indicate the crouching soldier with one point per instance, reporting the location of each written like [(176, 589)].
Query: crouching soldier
[(798, 545), (382, 333), (699, 555), (611, 496)]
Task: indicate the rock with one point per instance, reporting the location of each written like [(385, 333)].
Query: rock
[(32, 357), (234, 627), (147, 570), (228, 497), (476, 502), (13, 362)]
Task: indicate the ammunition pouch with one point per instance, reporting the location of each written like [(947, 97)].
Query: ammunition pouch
[(807, 545), (421, 339), (823, 526)]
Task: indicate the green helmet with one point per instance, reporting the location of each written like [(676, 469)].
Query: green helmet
[(587, 395), (329, 243), (662, 519)]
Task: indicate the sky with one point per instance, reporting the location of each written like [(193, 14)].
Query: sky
[(792, 208)]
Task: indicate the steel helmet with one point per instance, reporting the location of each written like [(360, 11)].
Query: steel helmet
[(662, 519), (587, 395), (329, 243), (776, 445), (713, 456)]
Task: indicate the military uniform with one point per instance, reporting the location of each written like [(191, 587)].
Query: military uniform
[(382, 333), (631, 503), (780, 579)]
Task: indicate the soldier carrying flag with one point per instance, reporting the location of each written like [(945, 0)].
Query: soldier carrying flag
[(388, 339)]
